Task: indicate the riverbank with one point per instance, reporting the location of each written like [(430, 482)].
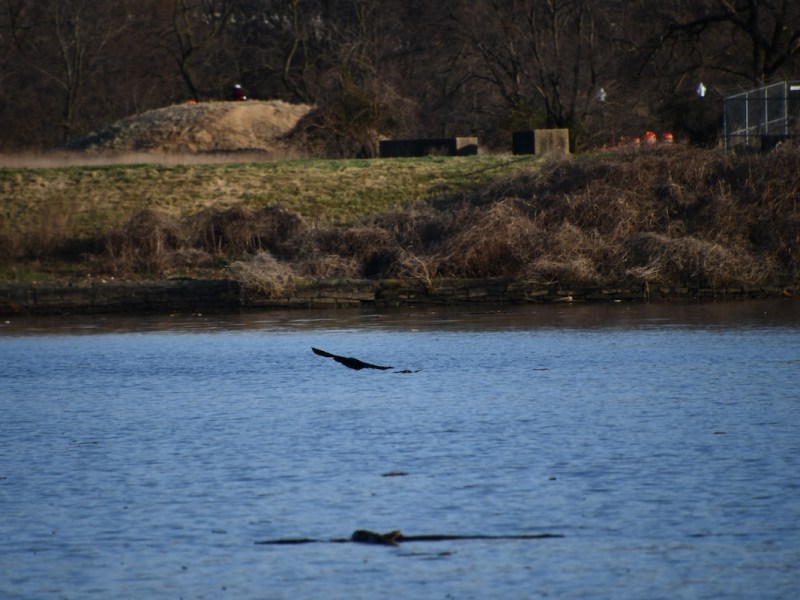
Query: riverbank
[(192, 296), (692, 222)]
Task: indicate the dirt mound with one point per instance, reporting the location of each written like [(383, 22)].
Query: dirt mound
[(254, 126)]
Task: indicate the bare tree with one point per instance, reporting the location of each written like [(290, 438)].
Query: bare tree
[(543, 58), (390, 67), (82, 32), (66, 44), (337, 54), (201, 43), (284, 48), (740, 40)]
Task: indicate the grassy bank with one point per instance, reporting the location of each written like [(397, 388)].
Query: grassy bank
[(675, 216), (91, 198), (54, 218)]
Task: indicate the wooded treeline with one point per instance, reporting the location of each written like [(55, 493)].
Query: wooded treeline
[(602, 68)]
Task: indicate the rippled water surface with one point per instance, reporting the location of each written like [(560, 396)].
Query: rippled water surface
[(146, 457)]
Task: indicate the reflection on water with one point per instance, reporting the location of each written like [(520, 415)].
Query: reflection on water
[(145, 457)]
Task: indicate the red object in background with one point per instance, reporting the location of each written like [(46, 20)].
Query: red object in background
[(238, 93)]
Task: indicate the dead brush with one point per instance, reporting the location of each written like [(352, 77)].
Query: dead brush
[(769, 205), (373, 249), (239, 230), (566, 270), (689, 260), (419, 229), (495, 242), (420, 267), (228, 231), (278, 229), (145, 244), (316, 265), (263, 276), (567, 257)]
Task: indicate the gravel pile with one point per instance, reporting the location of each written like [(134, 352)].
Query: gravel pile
[(252, 126)]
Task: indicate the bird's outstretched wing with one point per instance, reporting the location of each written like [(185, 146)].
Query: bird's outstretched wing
[(347, 361)]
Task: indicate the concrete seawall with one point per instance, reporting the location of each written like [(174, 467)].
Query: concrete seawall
[(99, 297), (188, 295)]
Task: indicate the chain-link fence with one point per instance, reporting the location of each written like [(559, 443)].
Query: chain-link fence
[(761, 118)]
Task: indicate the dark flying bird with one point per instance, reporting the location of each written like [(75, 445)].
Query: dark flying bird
[(347, 361)]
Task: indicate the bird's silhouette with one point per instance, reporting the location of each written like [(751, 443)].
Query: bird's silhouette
[(348, 361)]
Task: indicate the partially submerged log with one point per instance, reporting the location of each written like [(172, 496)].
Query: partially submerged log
[(393, 538)]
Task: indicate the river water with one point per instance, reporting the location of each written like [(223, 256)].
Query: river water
[(146, 457)]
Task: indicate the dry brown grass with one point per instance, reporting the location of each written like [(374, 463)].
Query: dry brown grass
[(240, 230), (146, 244), (263, 276), (494, 240), (684, 260)]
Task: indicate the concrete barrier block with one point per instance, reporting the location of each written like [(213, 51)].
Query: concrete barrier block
[(541, 141), (456, 146)]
